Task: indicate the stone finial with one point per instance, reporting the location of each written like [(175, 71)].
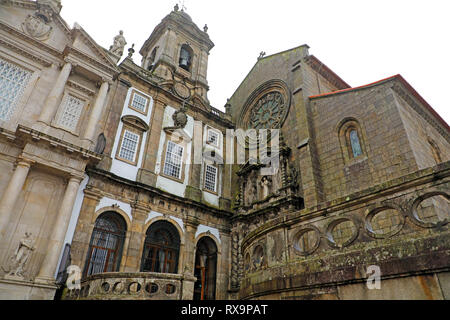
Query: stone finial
[(176, 8), (205, 28), (261, 55), (118, 45), (131, 51)]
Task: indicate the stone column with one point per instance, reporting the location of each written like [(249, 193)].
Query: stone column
[(51, 103), (56, 240), (137, 235), (12, 192), (191, 225), (96, 112)]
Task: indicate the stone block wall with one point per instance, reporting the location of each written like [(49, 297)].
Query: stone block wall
[(400, 226), (387, 152)]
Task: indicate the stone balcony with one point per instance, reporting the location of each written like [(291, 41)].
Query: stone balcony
[(134, 286)]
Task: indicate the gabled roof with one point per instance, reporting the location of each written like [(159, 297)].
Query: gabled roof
[(311, 60), (399, 78)]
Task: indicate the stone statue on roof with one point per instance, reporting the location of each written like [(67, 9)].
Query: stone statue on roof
[(118, 45)]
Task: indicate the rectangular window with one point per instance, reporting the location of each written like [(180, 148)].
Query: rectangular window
[(129, 146), (71, 112), (13, 81), (174, 158), (210, 178), (139, 102), (213, 138)]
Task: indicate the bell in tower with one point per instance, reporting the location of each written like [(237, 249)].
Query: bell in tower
[(185, 58)]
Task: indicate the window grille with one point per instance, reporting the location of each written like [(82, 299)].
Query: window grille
[(213, 138), (72, 108), (139, 102), (106, 244), (174, 157), (210, 178), (13, 81), (129, 146), (161, 248)]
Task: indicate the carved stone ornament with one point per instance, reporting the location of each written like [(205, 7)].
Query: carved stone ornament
[(37, 26), (180, 119), (182, 90)]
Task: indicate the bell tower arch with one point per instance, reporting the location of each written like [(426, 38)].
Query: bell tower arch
[(177, 50)]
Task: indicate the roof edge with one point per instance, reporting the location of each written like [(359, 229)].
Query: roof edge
[(397, 77)]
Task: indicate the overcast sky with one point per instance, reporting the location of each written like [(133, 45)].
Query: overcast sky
[(361, 41)]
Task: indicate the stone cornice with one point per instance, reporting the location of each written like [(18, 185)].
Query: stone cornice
[(21, 4), (14, 32), (411, 101), (80, 87), (326, 72), (84, 57), (25, 53), (158, 192), (55, 142)]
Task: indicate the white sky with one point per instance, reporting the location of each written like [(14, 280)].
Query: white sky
[(361, 41)]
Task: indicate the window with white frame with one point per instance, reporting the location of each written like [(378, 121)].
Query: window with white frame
[(173, 162), (129, 146), (213, 137), (211, 178), (71, 112), (139, 102), (13, 81)]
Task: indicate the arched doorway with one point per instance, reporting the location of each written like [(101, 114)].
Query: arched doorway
[(205, 269), (105, 247), (161, 248)]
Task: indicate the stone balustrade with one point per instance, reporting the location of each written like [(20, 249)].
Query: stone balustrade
[(129, 286)]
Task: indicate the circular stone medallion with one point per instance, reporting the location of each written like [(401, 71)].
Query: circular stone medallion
[(181, 90)]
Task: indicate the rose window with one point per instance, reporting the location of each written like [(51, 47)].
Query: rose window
[(268, 112)]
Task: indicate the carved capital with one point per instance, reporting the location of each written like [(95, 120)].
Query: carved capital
[(24, 162)]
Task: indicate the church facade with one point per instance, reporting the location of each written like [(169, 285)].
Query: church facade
[(125, 177)]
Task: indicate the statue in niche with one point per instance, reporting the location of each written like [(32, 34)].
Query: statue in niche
[(118, 45), (252, 194), (21, 256), (266, 183)]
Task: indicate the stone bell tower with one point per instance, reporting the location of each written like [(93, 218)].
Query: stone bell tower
[(177, 50)]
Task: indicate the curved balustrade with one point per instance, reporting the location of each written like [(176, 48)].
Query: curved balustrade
[(129, 286)]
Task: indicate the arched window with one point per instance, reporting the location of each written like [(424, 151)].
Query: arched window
[(351, 139), (161, 248), (105, 248), (354, 143), (185, 57), (152, 58), (435, 150), (205, 269)]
